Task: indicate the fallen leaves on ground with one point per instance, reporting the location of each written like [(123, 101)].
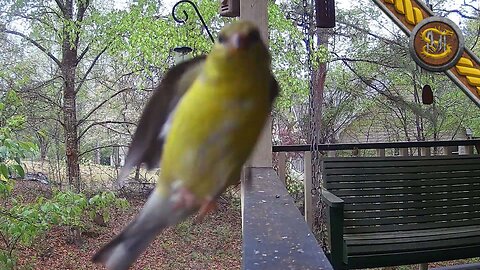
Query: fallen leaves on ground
[(215, 243)]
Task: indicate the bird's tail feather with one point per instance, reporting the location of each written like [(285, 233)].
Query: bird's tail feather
[(158, 213)]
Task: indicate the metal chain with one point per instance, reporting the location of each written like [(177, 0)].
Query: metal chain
[(307, 22)]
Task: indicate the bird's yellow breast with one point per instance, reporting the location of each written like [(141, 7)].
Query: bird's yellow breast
[(214, 129)]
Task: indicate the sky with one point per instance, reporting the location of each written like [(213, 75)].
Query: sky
[(169, 3), (345, 4)]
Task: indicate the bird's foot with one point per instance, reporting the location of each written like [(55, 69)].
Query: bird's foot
[(207, 206)]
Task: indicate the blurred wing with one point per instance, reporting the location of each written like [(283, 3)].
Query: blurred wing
[(147, 143)]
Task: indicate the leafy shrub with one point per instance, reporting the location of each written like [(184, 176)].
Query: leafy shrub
[(101, 205), (7, 261), (21, 224), (70, 207)]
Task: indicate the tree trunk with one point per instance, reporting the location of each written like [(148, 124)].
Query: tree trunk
[(68, 66), (71, 142), (418, 118), (43, 147), (318, 85)]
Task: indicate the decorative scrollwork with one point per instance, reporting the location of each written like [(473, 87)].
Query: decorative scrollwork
[(185, 16)]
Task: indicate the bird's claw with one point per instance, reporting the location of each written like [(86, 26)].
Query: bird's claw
[(207, 206)]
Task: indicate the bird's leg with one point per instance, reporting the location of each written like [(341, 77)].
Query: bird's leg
[(207, 206)]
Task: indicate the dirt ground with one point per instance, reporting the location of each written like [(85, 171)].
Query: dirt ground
[(215, 243)]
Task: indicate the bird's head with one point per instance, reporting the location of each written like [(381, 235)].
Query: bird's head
[(240, 41)]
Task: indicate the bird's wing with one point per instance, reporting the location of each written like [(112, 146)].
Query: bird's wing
[(147, 143)]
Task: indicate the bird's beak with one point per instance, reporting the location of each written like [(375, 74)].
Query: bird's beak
[(238, 41), (241, 41)]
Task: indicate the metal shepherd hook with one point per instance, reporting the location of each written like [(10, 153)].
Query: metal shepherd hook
[(185, 19)]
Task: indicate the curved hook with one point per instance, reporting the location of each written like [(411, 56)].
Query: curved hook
[(185, 16)]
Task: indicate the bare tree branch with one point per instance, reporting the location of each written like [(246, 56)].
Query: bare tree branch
[(81, 121), (356, 27), (475, 9), (47, 99), (36, 18), (103, 123), (101, 147), (36, 44), (364, 60), (82, 7), (459, 12), (48, 118), (61, 5), (83, 54), (82, 81)]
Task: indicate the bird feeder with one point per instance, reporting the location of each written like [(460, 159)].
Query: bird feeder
[(325, 13), (230, 8), (182, 53)]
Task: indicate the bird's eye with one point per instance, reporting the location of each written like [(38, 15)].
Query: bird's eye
[(221, 38), (253, 35)]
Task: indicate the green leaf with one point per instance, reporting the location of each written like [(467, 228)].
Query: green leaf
[(19, 169), (4, 170)]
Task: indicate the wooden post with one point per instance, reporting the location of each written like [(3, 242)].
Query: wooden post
[(307, 184), (404, 152), (282, 167), (381, 152), (256, 11)]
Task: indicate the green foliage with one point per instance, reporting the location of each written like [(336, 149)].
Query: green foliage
[(6, 188), (102, 204), (320, 56), (294, 184), (294, 187), (289, 58), (70, 208), (10, 121), (18, 223), (23, 223), (7, 261), (12, 150)]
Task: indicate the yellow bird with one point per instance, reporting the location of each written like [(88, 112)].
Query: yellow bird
[(200, 125)]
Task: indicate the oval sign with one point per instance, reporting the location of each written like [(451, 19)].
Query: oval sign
[(436, 44)]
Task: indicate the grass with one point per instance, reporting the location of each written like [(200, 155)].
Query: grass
[(94, 176)]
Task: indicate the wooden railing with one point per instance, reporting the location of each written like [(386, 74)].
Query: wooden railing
[(424, 148), (275, 236)]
